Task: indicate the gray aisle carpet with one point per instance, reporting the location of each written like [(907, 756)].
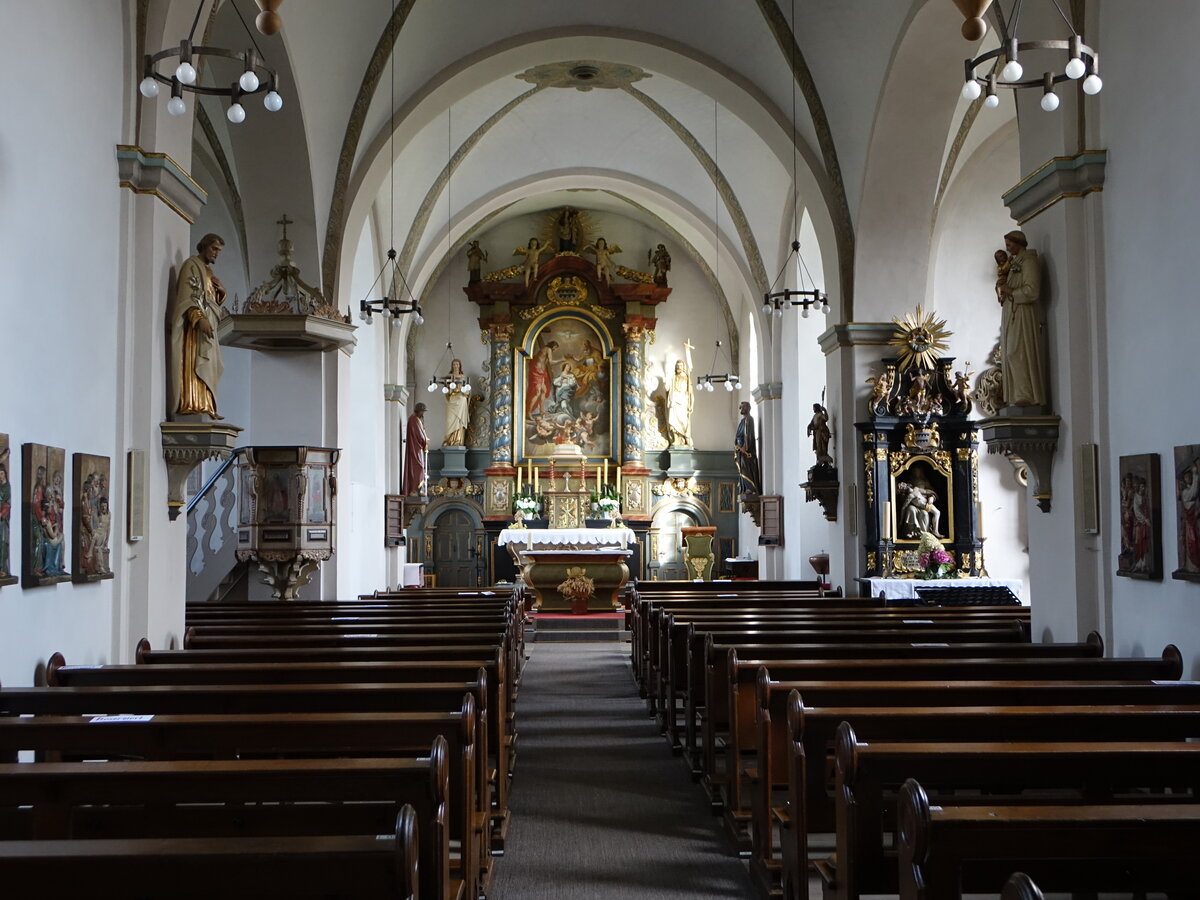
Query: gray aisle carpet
[(600, 807)]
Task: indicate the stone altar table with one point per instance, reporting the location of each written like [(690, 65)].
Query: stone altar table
[(549, 557)]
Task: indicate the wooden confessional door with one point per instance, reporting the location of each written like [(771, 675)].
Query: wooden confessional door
[(456, 556)]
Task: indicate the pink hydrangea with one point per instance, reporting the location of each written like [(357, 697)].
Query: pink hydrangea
[(940, 558)]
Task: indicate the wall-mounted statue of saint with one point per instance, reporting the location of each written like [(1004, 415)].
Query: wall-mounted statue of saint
[(745, 453), (1020, 328), (680, 400), (660, 260), (476, 257), (193, 352), (458, 411)]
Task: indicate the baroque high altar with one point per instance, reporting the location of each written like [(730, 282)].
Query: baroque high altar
[(567, 330)]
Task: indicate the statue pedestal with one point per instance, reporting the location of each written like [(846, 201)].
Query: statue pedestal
[(454, 462), (680, 462)]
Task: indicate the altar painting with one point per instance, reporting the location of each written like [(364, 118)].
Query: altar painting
[(566, 380)]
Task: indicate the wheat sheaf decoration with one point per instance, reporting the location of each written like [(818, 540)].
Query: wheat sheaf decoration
[(577, 586)]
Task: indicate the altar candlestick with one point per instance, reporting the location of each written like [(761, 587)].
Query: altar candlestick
[(551, 474), (979, 519), (582, 473)]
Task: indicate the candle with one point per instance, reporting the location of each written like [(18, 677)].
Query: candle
[(618, 483), (606, 470), (887, 520), (529, 473), (597, 478), (551, 474), (979, 519), (536, 473), (518, 480)]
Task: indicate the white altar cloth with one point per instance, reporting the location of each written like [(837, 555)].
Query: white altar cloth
[(906, 588), (577, 538)]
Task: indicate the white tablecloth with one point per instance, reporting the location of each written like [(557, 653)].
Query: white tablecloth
[(567, 537), (906, 588), (412, 575)]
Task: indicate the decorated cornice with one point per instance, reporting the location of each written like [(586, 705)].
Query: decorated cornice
[(856, 334), (159, 175), (1062, 178)]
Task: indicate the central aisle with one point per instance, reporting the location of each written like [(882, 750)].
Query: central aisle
[(600, 807)]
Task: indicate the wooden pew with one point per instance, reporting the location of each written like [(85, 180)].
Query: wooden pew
[(245, 798), (705, 698), (869, 776), (488, 773), (1093, 712), (303, 735), (744, 691), (1105, 847), (351, 867), (1020, 887)]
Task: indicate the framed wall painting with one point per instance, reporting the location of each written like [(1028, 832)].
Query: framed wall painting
[(91, 522), (43, 505), (1140, 509), (6, 498), (1187, 508)]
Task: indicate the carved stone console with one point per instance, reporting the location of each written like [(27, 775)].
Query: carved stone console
[(185, 446)]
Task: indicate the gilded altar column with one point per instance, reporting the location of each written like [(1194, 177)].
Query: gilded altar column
[(631, 395), (502, 394)]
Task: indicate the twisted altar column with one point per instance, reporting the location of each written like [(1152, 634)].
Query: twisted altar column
[(632, 390), (502, 394)]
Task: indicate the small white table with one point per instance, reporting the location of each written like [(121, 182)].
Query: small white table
[(906, 588)]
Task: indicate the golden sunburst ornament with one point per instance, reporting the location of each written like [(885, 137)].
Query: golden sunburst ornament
[(919, 339)]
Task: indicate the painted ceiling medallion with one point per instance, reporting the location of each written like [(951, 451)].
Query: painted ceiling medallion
[(920, 338), (584, 75)]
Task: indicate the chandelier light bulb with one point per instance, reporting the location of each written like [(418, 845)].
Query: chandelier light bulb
[(825, 306), (766, 309), (364, 315), (1092, 84), (249, 81), (804, 312), (737, 385), (186, 73), (395, 321), (466, 387), (1075, 68), (1012, 71), (432, 386), (708, 386), (729, 386), (418, 318), (971, 90), (779, 312), (1050, 101), (148, 88), (273, 102), (176, 106), (445, 390), (991, 101), (236, 113)]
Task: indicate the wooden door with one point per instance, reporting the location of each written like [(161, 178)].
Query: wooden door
[(668, 544), (455, 556)]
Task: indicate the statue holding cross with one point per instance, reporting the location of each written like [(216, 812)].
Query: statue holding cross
[(680, 400)]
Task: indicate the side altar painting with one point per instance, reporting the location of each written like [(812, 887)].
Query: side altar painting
[(565, 379)]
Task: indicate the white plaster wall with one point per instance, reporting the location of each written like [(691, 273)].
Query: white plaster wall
[(361, 561), (1152, 220), (61, 213)]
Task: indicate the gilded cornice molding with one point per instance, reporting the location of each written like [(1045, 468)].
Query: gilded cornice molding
[(358, 115), (839, 208), (855, 334), (159, 175), (1058, 179)]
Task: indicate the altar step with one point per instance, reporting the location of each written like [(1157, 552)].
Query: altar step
[(598, 627)]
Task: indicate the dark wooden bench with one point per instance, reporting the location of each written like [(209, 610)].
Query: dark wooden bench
[(354, 867), (493, 744), (869, 775), (247, 798), (947, 850), (746, 697), (299, 735), (799, 767)]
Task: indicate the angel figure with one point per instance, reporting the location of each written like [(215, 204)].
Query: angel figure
[(533, 253), (962, 388), (882, 387), (603, 257)]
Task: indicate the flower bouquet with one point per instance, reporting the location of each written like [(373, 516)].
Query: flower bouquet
[(524, 507), (607, 504), (933, 559)]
